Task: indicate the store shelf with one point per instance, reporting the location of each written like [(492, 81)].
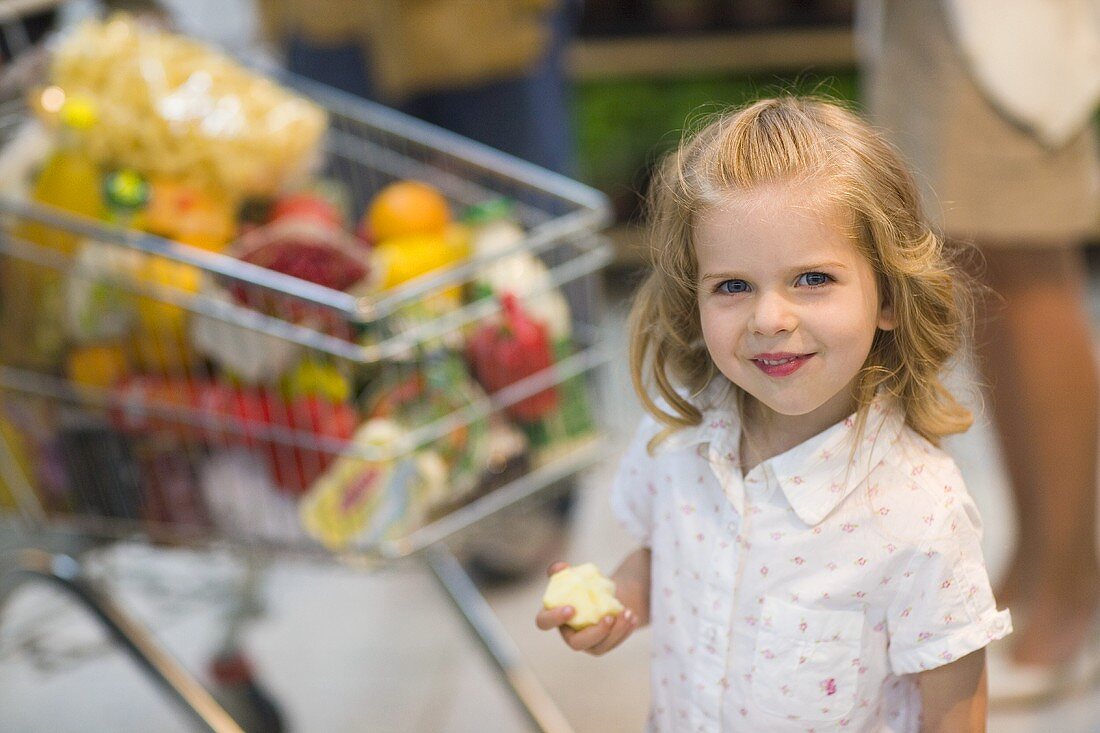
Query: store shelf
[(670, 56)]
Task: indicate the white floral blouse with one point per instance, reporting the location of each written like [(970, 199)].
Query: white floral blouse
[(803, 596)]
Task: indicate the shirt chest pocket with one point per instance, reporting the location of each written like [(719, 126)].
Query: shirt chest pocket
[(806, 661)]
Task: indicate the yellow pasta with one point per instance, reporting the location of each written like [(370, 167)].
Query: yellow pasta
[(168, 105)]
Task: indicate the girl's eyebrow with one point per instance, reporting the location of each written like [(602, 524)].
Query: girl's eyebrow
[(830, 265)]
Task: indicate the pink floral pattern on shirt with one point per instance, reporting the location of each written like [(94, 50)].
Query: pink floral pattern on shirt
[(802, 596)]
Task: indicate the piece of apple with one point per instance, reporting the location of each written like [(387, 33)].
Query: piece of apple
[(307, 206), (585, 588)]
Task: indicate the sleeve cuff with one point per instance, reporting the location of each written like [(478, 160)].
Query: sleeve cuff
[(946, 649)]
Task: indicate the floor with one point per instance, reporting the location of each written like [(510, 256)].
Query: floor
[(345, 649)]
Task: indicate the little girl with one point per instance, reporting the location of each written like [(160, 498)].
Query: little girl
[(809, 557)]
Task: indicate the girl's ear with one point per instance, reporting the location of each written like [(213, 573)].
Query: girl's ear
[(886, 320)]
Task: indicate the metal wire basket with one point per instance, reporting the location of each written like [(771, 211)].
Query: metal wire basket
[(201, 442), (155, 390)]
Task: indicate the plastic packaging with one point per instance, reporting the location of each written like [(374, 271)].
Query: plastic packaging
[(170, 106)]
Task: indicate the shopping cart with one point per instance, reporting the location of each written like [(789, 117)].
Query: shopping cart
[(204, 444)]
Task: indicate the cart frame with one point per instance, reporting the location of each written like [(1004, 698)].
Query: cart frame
[(581, 212)]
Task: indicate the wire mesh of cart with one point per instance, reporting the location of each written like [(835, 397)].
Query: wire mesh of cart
[(300, 387)]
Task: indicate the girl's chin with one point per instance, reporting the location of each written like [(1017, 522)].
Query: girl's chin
[(788, 410), (793, 405)]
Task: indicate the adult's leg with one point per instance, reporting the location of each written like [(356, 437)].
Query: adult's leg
[(1037, 354)]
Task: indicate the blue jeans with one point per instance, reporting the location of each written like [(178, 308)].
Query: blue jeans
[(527, 116)]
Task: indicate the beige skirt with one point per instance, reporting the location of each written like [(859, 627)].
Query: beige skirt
[(984, 178)]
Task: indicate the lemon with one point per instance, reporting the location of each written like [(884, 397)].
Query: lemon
[(404, 258)]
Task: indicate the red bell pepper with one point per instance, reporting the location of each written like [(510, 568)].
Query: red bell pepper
[(502, 353)]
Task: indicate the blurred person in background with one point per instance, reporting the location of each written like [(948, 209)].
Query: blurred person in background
[(993, 103), (492, 71)]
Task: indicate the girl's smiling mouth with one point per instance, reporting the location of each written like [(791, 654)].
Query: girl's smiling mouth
[(780, 364)]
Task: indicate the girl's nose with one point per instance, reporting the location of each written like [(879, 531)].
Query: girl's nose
[(773, 314)]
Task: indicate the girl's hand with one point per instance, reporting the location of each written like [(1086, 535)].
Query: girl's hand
[(597, 639)]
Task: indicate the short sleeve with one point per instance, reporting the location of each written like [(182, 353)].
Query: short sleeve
[(632, 491), (946, 609)]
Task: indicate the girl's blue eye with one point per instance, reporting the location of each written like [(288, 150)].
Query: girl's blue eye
[(813, 279), (731, 287)]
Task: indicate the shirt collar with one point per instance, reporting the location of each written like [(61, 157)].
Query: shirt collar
[(816, 475), (720, 427)]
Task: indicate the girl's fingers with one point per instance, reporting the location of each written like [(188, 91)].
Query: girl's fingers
[(597, 639), (589, 636), (550, 618), (556, 567), (622, 627)]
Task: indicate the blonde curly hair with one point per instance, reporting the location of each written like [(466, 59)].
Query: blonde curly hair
[(802, 140)]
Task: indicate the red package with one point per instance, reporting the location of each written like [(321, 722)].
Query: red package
[(284, 433)]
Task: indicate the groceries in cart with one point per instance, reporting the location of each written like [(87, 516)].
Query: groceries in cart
[(210, 320), (182, 112)]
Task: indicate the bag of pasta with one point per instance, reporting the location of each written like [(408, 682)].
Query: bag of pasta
[(174, 108)]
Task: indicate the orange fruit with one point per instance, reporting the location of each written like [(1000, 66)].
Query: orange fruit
[(407, 207), (189, 215)]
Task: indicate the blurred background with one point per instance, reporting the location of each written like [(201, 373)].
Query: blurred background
[(293, 635)]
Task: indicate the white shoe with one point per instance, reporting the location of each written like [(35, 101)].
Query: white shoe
[(1012, 684)]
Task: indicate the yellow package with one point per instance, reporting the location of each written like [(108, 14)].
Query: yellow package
[(358, 501), (15, 446), (173, 107)]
